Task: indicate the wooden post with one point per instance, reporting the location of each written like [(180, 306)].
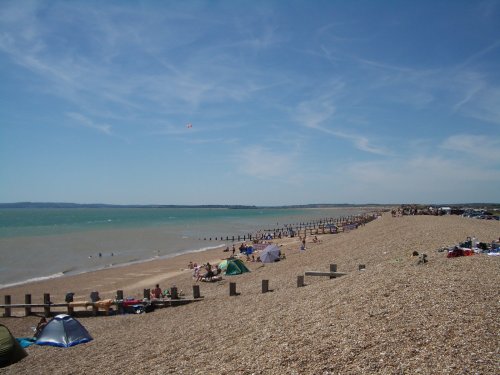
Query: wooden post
[(95, 309), (27, 301), (300, 281), (173, 293), (361, 267), (333, 268), (119, 295), (46, 302), (7, 309), (232, 289), (119, 301), (196, 291), (146, 293), (265, 286)]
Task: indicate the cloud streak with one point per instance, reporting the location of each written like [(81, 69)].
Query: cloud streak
[(88, 123)]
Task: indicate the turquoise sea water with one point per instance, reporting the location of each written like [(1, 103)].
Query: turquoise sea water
[(40, 243)]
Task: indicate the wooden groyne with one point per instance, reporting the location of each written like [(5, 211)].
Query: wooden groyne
[(48, 308), (117, 305), (320, 226)]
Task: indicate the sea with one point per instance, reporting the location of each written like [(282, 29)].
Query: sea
[(42, 243)]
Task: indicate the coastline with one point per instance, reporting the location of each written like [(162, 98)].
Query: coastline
[(394, 317), (34, 258)]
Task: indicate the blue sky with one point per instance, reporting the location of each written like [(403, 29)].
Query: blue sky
[(291, 102)]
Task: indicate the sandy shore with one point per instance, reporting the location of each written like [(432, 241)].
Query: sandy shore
[(394, 317)]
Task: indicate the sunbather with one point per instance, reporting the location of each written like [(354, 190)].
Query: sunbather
[(40, 326), (156, 292)]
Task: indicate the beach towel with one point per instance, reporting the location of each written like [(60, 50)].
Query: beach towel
[(104, 304), (25, 341)]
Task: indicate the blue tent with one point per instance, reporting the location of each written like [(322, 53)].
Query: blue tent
[(64, 331)]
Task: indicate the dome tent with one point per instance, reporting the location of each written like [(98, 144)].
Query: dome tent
[(233, 267), (10, 350), (63, 331)]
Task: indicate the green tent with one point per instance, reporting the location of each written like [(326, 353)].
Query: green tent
[(233, 267), (10, 350)]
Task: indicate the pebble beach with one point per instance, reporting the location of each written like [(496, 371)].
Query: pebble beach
[(394, 317)]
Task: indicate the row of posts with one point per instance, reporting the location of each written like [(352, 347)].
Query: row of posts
[(119, 295), (320, 224)]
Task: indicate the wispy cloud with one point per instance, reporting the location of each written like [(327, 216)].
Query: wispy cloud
[(319, 113), (264, 163), (360, 142), (476, 56), (163, 77), (425, 179), (479, 146), (88, 123)]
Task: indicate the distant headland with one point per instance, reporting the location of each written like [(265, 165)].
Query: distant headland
[(229, 206)]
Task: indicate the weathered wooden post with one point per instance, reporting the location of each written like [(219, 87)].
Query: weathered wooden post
[(71, 309), (27, 301), (119, 301), (232, 289), (265, 286), (7, 312), (333, 268), (196, 291), (300, 281), (95, 309), (46, 303), (361, 267), (173, 293)]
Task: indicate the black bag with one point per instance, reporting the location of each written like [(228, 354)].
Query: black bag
[(94, 296), (69, 297)]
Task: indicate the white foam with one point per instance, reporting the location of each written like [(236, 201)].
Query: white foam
[(32, 280)]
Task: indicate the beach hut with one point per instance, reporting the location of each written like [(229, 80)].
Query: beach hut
[(233, 267), (63, 331), (10, 350)]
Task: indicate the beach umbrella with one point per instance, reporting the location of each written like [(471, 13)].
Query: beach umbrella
[(270, 254)]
